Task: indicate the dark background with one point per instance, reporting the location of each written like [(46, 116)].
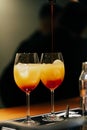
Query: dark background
[(18, 19)]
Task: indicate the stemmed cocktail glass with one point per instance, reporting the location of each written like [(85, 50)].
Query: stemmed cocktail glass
[(52, 75), (27, 77)]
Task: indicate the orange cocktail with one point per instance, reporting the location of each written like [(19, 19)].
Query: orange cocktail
[(27, 76), (52, 75)]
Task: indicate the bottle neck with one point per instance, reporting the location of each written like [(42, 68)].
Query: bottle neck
[(84, 66)]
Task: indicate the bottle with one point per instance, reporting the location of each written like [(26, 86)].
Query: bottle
[(83, 88)]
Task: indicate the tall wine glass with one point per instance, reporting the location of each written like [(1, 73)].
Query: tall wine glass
[(27, 77), (52, 75)]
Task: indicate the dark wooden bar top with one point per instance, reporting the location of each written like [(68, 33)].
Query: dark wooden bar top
[(36, 109)]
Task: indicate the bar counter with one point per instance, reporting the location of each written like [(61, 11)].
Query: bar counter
[(36, 109)]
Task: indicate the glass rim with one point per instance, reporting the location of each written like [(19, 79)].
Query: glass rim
[(51, 52), (26, 53)]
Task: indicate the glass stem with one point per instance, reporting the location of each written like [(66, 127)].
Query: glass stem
[(52, 101), (28, 106)]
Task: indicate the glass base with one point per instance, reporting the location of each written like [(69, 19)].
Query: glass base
[(30, 123), (52, 118)]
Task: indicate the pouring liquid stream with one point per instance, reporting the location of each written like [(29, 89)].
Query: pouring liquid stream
[(52, 22)]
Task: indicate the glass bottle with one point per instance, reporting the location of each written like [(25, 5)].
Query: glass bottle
[(83, 88)]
